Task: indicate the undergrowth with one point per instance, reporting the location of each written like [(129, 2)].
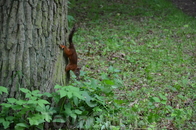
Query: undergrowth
[(152, 45), (138, 72)]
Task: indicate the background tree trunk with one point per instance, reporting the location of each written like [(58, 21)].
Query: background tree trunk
[(30, 31)]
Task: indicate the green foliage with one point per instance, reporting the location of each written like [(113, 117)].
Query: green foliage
[(3, 89), (32, 111), (82, 106), (89, 103)]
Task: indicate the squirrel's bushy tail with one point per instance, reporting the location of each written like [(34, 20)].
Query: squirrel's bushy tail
[(71, 34)]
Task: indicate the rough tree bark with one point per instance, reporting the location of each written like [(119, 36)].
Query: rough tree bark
[(30, 31)]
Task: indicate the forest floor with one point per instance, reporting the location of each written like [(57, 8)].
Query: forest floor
[(144, 49), (188, 6)]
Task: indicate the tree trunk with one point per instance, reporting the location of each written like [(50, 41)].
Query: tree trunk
[(30, 32)]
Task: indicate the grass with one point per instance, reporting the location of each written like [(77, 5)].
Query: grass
[(151, 47)]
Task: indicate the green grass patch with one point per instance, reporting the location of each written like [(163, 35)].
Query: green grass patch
[(151, 47)]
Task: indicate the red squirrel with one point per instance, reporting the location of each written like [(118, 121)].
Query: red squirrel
[(72, 55)]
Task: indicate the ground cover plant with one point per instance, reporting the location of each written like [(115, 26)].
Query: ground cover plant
[(150, 46), (138, 72)]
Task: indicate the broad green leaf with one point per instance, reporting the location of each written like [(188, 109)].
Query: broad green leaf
[(100, 99), (6, 105), (78, 111), (9, 118), (24, 90), (43, 101), (28, 95), (31, 102), (73, 115), (156, 99), (17, 107), (63, 94), (108, 82), (21, 126), (78, 95), (58, 118), (36, 93), (57, 86), (69, 95), (111, 69), (75, 100), (81, 123), (86, 96), (181, 96), (47, 116), (93, 84), (89, 122), (11, 100), (162, 96), (186, 25), (6, 124), (3, 89), (172, 88), (106, 89), (68, 111), (88, 99), (97, 109), (21, 102), (48, 94), (119, 101), (40, 108), (36, 119), (72, 89), (164, 102), (2, 119)]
